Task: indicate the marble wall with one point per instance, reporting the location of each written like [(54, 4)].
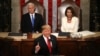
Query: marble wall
[(15, 21), (85, 7)]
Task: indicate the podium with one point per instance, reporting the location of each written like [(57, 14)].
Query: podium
[(67, 46)]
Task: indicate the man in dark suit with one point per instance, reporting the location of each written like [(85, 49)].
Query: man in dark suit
[(31, 21), (46, 44)]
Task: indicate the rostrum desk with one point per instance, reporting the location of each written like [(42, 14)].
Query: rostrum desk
[(17, 46)]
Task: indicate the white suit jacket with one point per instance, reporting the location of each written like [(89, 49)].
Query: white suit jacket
[(69, 27)]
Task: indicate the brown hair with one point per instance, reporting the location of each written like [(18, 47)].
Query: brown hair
[(72, 10)]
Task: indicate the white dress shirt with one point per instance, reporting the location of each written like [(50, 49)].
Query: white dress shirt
[(69, 27), (45, 38), (33, 16)]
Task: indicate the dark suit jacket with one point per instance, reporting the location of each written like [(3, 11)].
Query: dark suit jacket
[(26, 24), (43, 46)]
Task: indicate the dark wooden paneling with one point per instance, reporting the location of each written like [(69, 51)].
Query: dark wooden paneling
[(67, 47)]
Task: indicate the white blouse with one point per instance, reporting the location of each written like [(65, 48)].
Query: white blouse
[(69, 27)]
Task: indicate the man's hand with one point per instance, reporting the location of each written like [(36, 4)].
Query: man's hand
[(37, 48)]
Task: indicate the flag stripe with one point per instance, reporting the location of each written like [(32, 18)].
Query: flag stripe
[(41, 2), (50, 12), (22, 2), (54, 15), (77, 2), (58, 4), (46, 10)]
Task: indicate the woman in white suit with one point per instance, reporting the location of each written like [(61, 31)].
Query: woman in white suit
[(70, 22)]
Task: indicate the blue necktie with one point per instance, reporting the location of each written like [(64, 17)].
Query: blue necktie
[(32, 20)]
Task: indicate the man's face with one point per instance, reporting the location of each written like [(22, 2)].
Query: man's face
[(31, 9), (46, 32)]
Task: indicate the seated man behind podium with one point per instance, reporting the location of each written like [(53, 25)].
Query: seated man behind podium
[(70, 22), (46, 44), (31, 21)]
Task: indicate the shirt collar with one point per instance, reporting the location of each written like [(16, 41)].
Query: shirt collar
[(32, 14), (45, 38)]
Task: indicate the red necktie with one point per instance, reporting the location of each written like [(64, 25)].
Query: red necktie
[(49, 45)]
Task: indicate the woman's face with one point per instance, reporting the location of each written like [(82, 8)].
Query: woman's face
[(69, 13)]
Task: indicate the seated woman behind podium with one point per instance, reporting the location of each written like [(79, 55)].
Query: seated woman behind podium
[(46, 44), (70, 22)]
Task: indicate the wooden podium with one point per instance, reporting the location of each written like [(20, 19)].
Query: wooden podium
[(67, 46)]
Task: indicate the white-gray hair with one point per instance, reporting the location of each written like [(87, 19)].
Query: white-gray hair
[(31, 4)]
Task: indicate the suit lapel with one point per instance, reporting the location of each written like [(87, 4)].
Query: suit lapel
[(29, 18), (52, 40), (44, 44), (35, 19)]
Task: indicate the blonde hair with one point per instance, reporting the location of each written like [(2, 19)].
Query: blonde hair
[(46, 27)]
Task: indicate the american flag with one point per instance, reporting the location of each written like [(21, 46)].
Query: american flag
[(51, 10)]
